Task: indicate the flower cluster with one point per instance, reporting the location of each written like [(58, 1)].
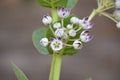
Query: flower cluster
[(76, 31)]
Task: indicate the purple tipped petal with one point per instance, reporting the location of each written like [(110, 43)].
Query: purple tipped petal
[(86, 32), (91, 24), (63, 9), (63, 45), (86, 18), (89, 38), (51, 39), (59, 38)]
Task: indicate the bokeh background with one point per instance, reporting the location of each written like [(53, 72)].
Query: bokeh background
[(99, 59)]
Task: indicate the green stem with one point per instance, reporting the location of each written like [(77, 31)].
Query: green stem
[(52, 67), (92, 15), (54, 14), (57, 67), (57, 58), (108, 16)]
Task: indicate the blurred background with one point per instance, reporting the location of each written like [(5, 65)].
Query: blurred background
[(99, 59)]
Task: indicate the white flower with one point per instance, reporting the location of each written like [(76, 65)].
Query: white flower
[(47, 20), (44, 42), (77, 44), (117, 4), (118, 25), (85, 37), (117, 14), (69, 26), (56, 25), (56, 45), (72, 32), (59, 32), (85, 24), (63, 13), (74, 20)]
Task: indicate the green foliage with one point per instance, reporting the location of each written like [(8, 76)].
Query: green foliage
[(19, 73), (71, 3), (52, 3), (36, 37), (57, 3)]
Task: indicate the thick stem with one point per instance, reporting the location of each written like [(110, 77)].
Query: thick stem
[(54, 14), (52, 67), (57, 67)]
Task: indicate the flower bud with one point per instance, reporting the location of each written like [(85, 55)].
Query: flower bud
[(74, 20), (117, 14), (85, 37), (118, 25), (44, 42), (85, 24), (63, 13), (47, 20), (59, 32), (69, 26), (77, 44), (72, 33), (57, 25), (117, 4)]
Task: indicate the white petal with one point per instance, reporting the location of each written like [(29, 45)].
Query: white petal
[(56, 45), (59, 32)]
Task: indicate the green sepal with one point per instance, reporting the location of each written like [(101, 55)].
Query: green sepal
[(19, 73), (36, 37)]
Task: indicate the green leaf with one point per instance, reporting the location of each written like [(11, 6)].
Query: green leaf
[(51, 3), (44, 3), (71, 3), (19, 73), (36, 37)]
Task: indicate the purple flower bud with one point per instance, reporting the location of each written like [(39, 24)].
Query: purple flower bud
[(47, 20), (63, 13), (85, 24), (85, 37)]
